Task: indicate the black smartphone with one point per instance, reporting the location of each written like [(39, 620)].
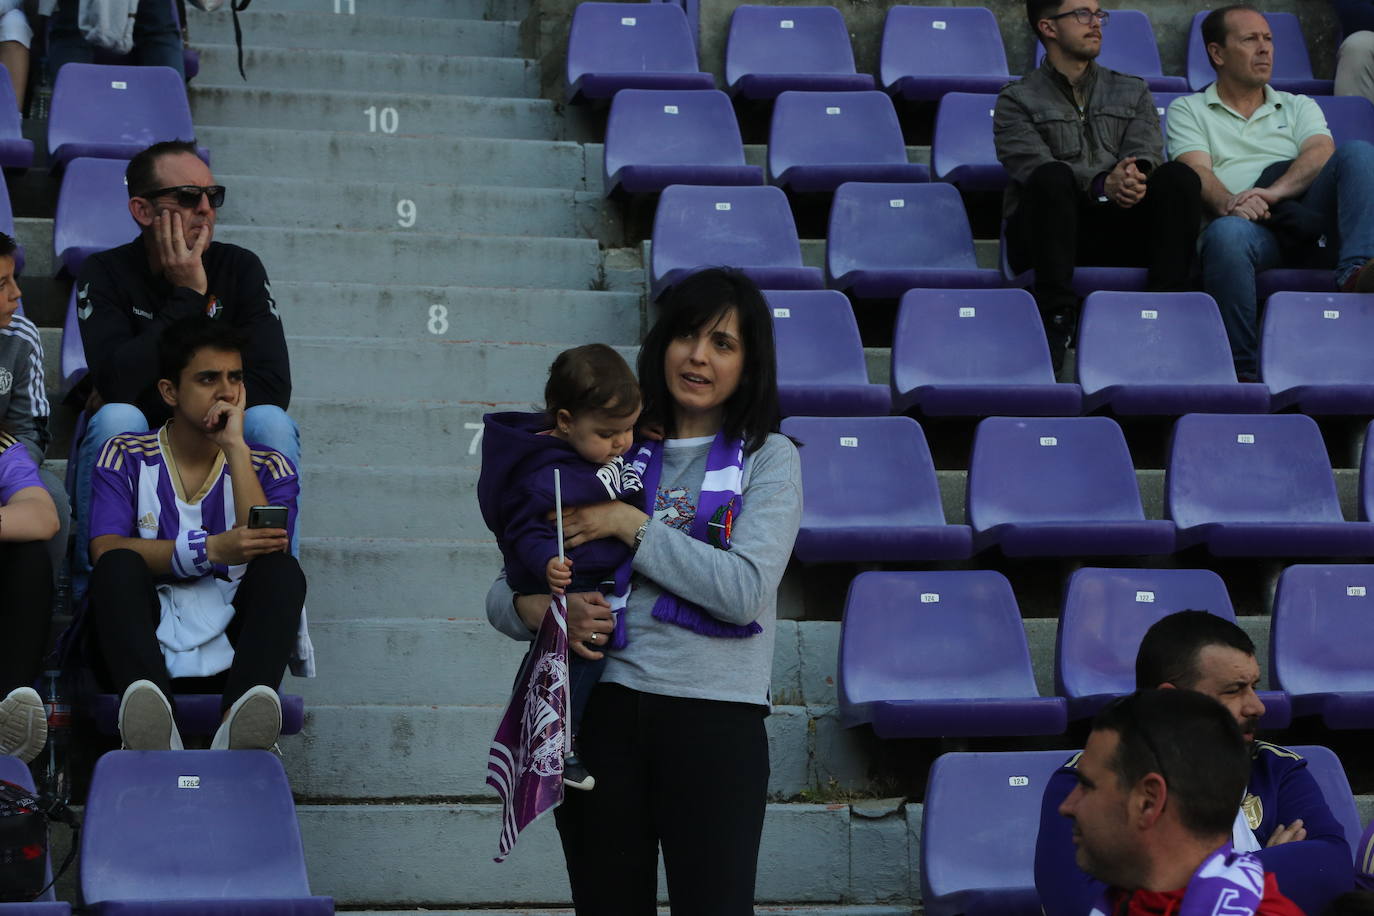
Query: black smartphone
[(267, 517)]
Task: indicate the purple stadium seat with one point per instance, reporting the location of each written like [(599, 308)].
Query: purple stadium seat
[(820, 140), (937, 654), (1086, 279), (1327, 770), (16, 152), (885, 239), (975, 353), (1058, 487), (7, 224), (748, 228), (930, 50), (772, 49), (978, 829), (963, 152), (111, 112), (1315, 355), (1257, 486), (658, 137), (1350, 117), (821, 366), (1293, 280), (1319, 647), (614, 46), (1105, 616), (1292, 66), (193, 832), (92, 211), (1367, 476), (12, 769), (871, 494), (1128, 46), (1162, 102), (196, 713), (1159, 354), (74, 365)]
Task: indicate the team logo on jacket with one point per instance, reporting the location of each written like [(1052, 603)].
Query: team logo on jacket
[(213, 308), (1254, 810), (6, 380), (721, 525)]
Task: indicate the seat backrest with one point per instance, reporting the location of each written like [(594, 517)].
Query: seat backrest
[(888, 225), (698, 226), (1291, 60), (92, 210), (933, 634), (969, 336), (11, 124), (1316, 338), (1128, 45), (963, 132), (834, 128), (1322, 629), (1106, 613), (14, 770), (1249, 468), (629, 38), (1050, 469), (792, 39), (859, 471), (121, 110), (190, 824), (927, 40), (1135, 338), (1366, 497), (981, 818), (1350, 117), (816, 337), (672, 127), (1162, 102), (1327, 770), (6, 212)]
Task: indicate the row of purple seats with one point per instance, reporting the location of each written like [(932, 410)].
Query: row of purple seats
[(1243, 485)]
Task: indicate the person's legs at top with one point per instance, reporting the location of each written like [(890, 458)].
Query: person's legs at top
[(1233, 249), (25, 612), (66, 45), (1355, 66), (15, 37), (1343, 192), (57, 544), (108, 422), (273, 427), (583, 675), (1043, 235), (1171, 214), (157, 40)]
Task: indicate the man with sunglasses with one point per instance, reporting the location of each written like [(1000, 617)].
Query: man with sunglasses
[(128, 296), (1151, 811), (1283, 818), (1088, 181)]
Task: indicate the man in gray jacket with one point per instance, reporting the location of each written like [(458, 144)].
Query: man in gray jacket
[(1089, 184)]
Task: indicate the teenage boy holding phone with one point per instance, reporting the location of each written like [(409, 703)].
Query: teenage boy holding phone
[(184, 595)]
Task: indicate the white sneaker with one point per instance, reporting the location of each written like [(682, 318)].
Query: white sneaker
[(145, 719), (23, 724), (253, 723)]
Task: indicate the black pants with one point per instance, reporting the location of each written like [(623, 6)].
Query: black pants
[(25, 612), (688, 775), (1055, 228), (124, 615)]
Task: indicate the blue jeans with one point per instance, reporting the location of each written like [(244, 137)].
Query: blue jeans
[(263, 425), (157, 40), (1234, 249)]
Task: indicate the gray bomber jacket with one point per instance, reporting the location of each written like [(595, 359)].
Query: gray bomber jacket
[(1037, 121)]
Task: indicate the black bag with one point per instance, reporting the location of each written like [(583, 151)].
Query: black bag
[(23, 844)]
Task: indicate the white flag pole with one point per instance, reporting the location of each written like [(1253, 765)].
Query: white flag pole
[(558, 509), (567, 693)]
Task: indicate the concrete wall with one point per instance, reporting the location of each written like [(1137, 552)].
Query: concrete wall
[(546, 32)]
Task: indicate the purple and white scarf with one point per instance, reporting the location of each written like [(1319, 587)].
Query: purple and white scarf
[(1227, 883)]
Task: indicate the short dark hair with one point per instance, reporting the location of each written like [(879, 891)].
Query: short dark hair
[(1039, 9), (141, 173), (752, 412), (1214, 28), (1169, 650), (591, 377), (8, 246), (181, 341), (1192, 742)]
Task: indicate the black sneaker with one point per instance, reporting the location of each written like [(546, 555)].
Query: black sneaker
[(575, 775)]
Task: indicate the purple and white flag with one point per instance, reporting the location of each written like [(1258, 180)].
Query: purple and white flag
[(525, 765)]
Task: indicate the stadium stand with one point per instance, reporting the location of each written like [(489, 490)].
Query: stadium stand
[(1350, 117), (1128, 46), (16, 150), (1321, 622), (820, 140), (1292, 64), (612, 46), (870, 493), (821, 368), (975, 353), (658, 137), (112, 112), (930, 50), (92, 211), (1312, 356), (962, 151), (973, 676), (773, 49)]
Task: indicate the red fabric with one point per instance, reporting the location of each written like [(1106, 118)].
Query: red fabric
[(1166, 903)]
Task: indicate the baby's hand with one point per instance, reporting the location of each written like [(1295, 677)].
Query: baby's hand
[(559, 573)]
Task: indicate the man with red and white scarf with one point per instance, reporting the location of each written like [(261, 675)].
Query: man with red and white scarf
[(1153, 809)]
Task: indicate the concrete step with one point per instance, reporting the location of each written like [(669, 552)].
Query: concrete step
[(353, 154), (386, 113), (326, 31), (287, 203), (399, 502), (363, 577), (410, 257), (478, 313), (278, 68), (381, 433), (429, 9)]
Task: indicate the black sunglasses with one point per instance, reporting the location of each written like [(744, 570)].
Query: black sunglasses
[(188, 195)]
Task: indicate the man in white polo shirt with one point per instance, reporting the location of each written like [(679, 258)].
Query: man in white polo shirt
[(1232, 132)]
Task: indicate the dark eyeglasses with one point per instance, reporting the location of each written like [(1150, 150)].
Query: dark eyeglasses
[(1084, 16), (188, 195)]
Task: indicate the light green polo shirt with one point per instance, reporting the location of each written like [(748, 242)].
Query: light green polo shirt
[(1241, 148)]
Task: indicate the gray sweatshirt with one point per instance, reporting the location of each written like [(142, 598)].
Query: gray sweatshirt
[(737, 585), (23, 400)]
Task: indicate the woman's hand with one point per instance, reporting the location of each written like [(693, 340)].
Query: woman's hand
[(600, 520), (590, 623)]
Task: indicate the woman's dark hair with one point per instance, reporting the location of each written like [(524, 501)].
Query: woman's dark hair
[(752, 411), (592, 377)]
